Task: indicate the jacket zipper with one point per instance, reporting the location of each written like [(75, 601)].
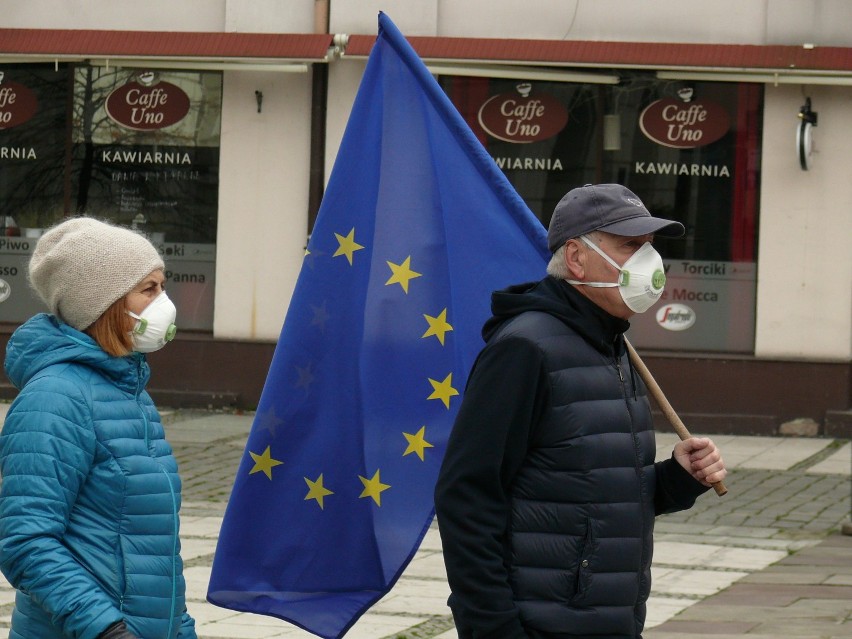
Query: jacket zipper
[(617, 360), (174, 551), (171, 492), (621, 370), (636, 461)]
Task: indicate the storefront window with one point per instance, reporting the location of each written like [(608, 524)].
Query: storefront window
[(689, 150), (138, 148), (34, 129)]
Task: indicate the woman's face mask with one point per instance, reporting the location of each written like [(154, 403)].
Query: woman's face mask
[(155, 326), (640, 281)]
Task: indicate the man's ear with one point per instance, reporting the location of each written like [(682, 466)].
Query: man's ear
[(575, 260)]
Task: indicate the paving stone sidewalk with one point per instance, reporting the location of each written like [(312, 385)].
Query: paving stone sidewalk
[(765, 551), (806, 595), (785, 496)]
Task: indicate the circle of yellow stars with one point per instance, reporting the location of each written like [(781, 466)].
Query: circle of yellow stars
[(443, 390)]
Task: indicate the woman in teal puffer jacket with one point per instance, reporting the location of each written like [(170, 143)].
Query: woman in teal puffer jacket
[(90, 489)]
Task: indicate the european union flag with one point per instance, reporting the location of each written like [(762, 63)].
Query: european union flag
[(417, 227)]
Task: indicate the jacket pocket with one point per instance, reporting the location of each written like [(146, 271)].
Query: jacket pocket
[(121, 567), (584, 558)]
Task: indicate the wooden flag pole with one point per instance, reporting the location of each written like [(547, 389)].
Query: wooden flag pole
[(663, 403)]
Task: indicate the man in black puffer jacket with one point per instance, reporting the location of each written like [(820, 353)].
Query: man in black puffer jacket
[(548, 491)]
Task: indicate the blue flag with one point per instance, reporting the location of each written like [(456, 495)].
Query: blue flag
[(417, 227)]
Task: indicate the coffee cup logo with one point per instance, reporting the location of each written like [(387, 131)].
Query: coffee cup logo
[(147, 78)]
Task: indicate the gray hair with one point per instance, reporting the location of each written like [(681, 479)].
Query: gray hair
[(557, 267)]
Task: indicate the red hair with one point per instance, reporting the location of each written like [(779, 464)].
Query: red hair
[(112, 329)]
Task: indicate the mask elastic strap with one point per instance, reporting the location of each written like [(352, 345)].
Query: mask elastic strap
[(597, 250), (594, 284), (141, 325)]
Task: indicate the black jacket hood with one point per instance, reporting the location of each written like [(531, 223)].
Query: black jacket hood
[(560, 299)]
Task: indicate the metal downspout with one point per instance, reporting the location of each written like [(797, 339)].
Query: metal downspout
[(319, 102)]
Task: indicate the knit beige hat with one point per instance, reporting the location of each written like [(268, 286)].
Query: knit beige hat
[(81, 266)]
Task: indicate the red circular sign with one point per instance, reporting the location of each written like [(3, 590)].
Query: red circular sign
[(18, 104), (684, 125), (146, 108), (512, 117)]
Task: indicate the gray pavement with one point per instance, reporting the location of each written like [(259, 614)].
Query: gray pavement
[(766, 560)]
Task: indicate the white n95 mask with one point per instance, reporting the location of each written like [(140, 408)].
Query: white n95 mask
[(640, 281), (155, 326)]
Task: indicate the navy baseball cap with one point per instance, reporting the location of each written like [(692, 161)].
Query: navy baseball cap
[(611, 208)]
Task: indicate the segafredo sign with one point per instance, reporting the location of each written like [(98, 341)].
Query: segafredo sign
[(675, 317), (18, 103), (523, 116), (684, 125), (147, 104)]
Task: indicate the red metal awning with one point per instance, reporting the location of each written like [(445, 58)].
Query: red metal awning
[(646, 55), (65, 44), (87, 44)]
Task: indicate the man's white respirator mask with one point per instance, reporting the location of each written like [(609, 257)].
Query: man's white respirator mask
[(640, 281)]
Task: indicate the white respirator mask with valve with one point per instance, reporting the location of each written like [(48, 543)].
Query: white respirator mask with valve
[(640, 281), (155, 326)]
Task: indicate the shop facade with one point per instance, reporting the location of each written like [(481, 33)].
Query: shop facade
[(216, 143)]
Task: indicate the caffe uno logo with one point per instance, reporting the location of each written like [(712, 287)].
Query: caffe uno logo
[(684, 125), (676, 317), (18, 103), (147, 104), (522, 117)]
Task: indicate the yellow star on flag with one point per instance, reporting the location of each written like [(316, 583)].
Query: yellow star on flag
[(348, 245), (373, 488), (264, 463), (417, 443), (402, 273), (317, 491), (438, 326), (443, 390)]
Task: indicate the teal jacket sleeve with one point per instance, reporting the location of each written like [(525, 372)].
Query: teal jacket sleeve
[(47, 448), (187, 627)]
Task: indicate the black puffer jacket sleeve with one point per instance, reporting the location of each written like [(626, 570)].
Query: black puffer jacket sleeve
[(503, 401), (675, 489)]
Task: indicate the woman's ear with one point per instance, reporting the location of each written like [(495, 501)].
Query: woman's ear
[(575, 259)]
